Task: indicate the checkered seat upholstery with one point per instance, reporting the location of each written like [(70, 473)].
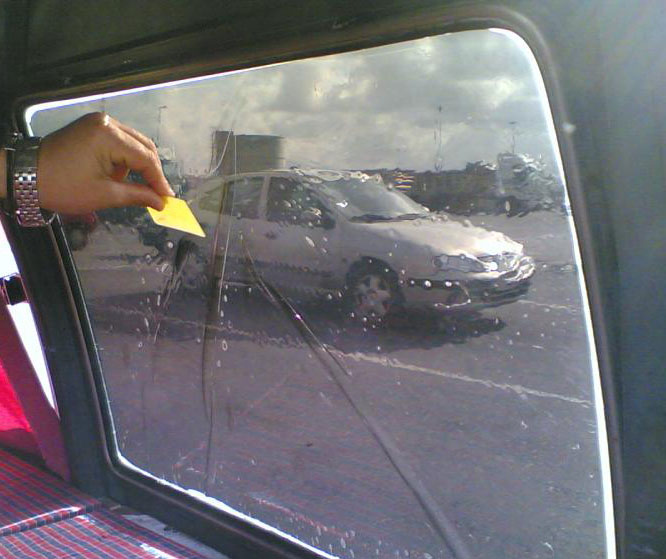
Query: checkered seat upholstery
[(30, 497), (43, 517)]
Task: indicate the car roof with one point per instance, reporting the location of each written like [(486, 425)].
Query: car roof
[(321, 174)]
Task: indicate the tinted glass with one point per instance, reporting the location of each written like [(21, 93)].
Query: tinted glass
[(244, 196), (395, 360)]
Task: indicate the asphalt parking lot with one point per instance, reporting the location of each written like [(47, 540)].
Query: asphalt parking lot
[(370, 442)]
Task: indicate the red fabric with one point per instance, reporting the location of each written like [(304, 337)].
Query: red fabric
[(15, 431), (41, 516), (27, 420), (30, 497), (97, 535)]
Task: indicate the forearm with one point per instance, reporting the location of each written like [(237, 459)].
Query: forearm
[(3, 173)]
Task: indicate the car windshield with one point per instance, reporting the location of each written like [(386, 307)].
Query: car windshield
[(367, 198)]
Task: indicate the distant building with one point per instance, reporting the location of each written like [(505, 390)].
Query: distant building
[(245, 153)]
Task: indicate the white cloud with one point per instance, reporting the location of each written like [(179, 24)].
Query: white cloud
[(381, 107)]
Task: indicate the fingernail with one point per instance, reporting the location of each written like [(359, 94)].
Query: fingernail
[(171, 191)]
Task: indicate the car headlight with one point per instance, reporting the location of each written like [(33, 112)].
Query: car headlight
[(461, 263), (504, 262)]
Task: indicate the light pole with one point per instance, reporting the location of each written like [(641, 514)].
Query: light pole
[(513, 124), (159, 122)]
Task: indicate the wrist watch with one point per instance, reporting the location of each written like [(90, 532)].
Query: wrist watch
[(22, 196)]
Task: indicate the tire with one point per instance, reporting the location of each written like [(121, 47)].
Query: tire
[(373, 291)]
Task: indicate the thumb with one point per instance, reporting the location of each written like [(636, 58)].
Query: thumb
[(131, 194)]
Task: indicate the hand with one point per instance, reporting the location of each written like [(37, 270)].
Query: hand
[(81, 167)]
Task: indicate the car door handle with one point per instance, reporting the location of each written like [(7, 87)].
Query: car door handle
[(271, 235)]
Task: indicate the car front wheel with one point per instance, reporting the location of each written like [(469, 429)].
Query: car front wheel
[(373, 291)]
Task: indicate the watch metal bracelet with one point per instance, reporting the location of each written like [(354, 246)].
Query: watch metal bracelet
[(24, 176)]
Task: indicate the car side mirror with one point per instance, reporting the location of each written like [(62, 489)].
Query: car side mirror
[(316, 218), (311, 216), (327, 222)]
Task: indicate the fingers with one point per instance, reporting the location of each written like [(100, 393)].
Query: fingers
[(147, 142), (122, 194), (119, 173), (134, 154)]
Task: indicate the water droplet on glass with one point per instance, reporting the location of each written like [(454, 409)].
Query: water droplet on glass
[(140, 345), (219, 363), (309, 241), (221, 314), (225, 346), (329, 296), (148, 258), (143, 281), (169, 244), (427, 284), (225, 298), (198, 340)]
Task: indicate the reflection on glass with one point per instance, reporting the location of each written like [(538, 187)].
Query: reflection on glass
[(380, 348)]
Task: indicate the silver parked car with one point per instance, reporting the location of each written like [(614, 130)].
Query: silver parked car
[(347, 236)]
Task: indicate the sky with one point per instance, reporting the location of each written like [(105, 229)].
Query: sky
[(433, 103)]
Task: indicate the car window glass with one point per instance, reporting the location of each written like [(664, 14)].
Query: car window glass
[(243, 197), (211, 200), (418, 380), (289, 201)]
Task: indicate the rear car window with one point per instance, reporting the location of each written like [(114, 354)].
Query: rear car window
[(391, 357)]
